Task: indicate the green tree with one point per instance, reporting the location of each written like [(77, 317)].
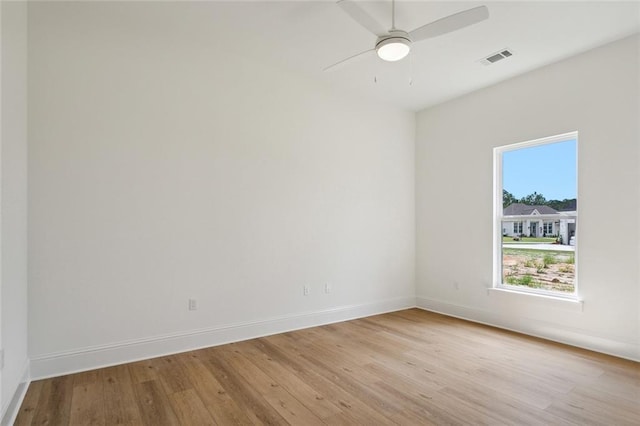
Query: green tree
[(534, 199), (508, 198), (566, 204)]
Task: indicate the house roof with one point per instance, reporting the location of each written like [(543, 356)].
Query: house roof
[(516, 209), (570, 206)]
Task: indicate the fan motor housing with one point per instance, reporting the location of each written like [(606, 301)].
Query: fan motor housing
[(396, 35)]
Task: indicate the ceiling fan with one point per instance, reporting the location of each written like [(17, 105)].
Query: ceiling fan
[(394, 44)]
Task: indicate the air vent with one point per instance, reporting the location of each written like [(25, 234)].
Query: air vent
[(495, 57)]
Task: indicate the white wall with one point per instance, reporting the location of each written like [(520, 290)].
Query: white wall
[(163, 168), (595, 93), (13, 178)]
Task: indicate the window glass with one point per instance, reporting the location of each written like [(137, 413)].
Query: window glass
[(537, 216)]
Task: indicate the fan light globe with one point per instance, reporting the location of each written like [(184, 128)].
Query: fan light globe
[(393, 49)]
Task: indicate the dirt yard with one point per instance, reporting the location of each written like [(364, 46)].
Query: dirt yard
[(547, 270)]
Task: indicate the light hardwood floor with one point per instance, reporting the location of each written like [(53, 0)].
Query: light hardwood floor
[(408, 367)]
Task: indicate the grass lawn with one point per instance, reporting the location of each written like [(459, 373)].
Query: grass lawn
[(525, 240)]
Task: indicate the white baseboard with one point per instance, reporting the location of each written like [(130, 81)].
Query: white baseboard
[(83, 359), (553, 332), (10, 411)]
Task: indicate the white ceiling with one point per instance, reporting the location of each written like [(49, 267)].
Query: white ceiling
[(306, 36)]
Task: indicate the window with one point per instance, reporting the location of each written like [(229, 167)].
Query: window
[(517, 228), (538, 183)]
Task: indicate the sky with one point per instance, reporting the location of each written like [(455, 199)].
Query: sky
[(548, 169)]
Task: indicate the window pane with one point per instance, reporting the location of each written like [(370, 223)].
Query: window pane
[(537, 263), (540, 199)]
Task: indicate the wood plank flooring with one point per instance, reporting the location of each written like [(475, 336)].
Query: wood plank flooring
[(408, 368)]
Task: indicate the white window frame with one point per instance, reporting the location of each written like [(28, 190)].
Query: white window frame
[(547, 225), (520, 226), (498, 217)]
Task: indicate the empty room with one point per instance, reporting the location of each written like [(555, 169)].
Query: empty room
[(320, 212)]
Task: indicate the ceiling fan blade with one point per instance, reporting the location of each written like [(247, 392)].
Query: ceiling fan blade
[(361, 17), (337, 65), (450, 23)]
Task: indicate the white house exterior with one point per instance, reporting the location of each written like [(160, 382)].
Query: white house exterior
[(538, 221)]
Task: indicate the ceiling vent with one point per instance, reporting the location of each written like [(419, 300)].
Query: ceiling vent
[(497, 56)]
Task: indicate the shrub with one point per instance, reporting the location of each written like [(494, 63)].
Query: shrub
[(525, 280), (548, 259)]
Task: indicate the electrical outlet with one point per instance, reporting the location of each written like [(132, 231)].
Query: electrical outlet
[(306, 290), (327, 288), (193, 304)]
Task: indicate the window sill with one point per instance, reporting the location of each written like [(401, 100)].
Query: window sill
[(565, 303)]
